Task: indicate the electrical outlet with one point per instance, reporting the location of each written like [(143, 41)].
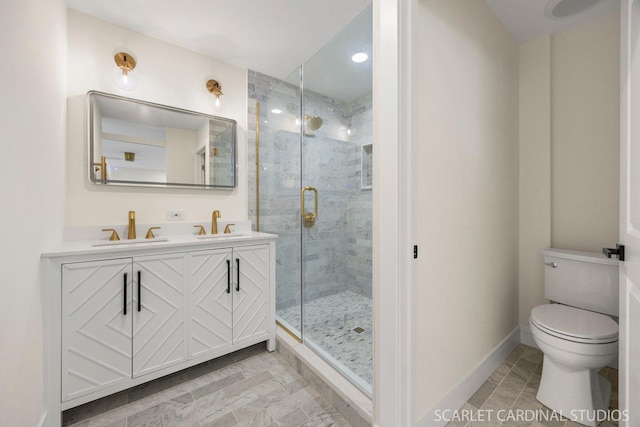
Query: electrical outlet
[(175, 215)]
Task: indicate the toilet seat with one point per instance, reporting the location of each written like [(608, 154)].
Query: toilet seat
[(574, 324)]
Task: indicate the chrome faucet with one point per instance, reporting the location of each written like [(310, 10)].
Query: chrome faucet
[(132, 225), (214, 221)]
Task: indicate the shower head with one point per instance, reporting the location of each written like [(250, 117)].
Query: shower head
[(313, 123)]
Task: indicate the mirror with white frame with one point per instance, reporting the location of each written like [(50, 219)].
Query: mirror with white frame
[(140, 143)]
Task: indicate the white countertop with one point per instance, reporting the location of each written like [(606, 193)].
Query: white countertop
[(191, 241)]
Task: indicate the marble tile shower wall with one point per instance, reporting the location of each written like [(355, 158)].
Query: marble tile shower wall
[(360, 206), (338, 254), (219, 162), (279, 177), (326, 244)]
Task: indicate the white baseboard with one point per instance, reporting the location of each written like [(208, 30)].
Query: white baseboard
[(526, 337), (43, 420), (465, 388)]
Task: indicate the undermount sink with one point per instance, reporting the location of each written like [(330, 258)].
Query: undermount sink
[(220, 236), (131, 242)]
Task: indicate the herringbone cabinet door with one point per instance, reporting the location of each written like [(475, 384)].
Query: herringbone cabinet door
[(210, 303), (96, 337), (159, 326), (251, 302)]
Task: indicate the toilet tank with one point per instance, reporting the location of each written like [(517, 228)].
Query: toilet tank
[(581, 279)]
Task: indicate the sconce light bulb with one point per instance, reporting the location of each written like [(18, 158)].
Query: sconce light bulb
[(123, 76), (348, 131), (215, 89), (297, 122)]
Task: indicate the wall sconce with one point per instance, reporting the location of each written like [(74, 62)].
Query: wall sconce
[(122, 76), (215, 88)]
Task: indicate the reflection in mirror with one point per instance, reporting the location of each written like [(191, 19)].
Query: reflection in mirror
[(139, 143)]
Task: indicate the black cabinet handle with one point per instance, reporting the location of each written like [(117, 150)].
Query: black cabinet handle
[(124, 286), (238, 267), (139, 294), (228, 276), (619, 250)]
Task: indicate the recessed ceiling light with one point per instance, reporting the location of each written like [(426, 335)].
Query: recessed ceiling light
[(359, 57), (276, 111), (558, 9)]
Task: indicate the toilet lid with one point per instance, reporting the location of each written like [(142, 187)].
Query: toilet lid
[(575, 323)]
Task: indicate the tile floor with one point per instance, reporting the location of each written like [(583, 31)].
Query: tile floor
[(255, 388), (514, 386), (330, 322), (250, 387)]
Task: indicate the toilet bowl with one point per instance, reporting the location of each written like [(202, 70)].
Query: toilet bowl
[(576, 336), (576, 344)]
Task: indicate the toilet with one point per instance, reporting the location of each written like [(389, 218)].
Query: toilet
[(576, 334)]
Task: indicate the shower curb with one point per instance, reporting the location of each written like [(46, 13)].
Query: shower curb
[(348, 400)]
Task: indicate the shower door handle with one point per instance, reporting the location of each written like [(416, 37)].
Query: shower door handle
[(309, 218)]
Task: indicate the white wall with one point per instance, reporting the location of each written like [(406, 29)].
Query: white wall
[(467, 192), (569, 147), (32, 135), (168, 75)]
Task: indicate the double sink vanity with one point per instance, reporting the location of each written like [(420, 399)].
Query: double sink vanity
[(121, 313)]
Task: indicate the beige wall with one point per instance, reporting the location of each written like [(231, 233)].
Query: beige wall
[(32, 135), (467, 192), (535, 169), (182, 160), (585, 129), (569, 147), (168, 75)]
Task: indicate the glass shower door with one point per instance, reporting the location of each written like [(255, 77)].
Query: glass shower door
[(313, 153), (336, 203)]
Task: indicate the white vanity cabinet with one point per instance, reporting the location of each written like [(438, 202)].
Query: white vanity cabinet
[(229, 298), (96, 326), (117, 317), (250, 302), (210, 287), (121, 318), (159, 315)]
